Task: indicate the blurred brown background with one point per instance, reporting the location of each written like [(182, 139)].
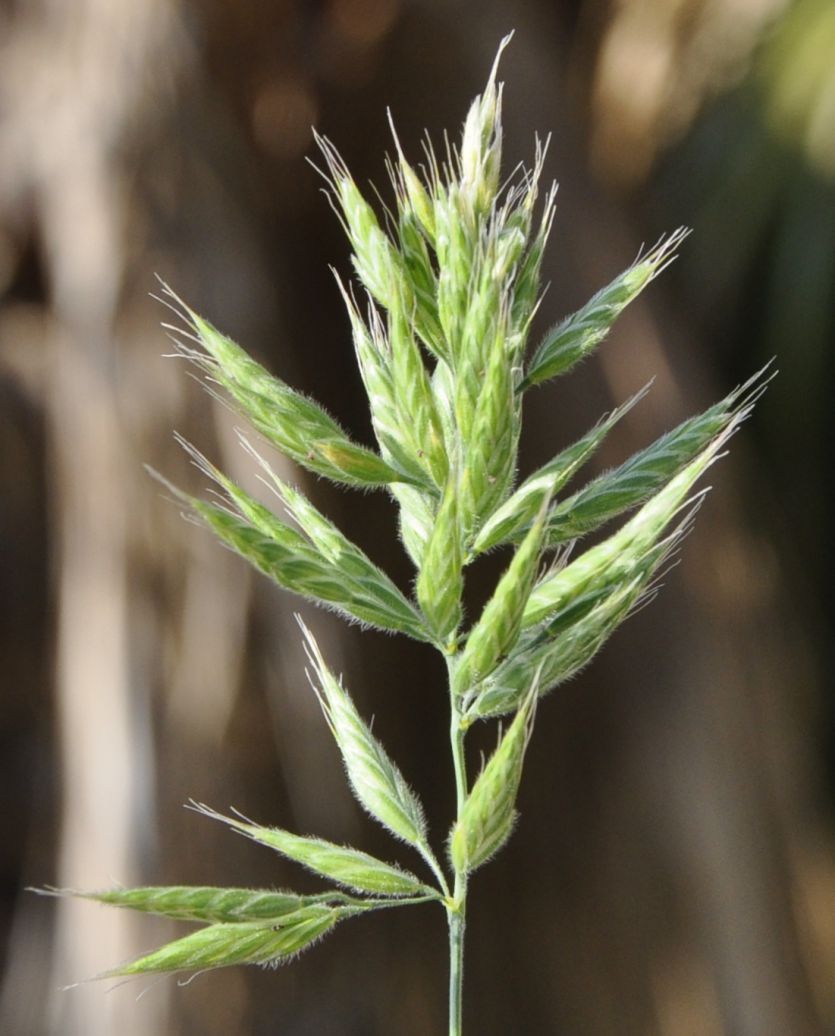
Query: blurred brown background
[(673, 873)]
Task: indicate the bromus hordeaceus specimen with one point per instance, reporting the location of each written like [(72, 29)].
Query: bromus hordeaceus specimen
[(451, 283)]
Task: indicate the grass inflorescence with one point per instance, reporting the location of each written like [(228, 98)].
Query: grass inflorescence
[(447, 288)]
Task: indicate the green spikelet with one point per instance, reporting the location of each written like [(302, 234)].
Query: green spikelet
[(578, 335), (377, 262), (619, 555), (498, 627), (513, 516), (440, 582), (345, 579), (423, 285), (418, 419), (526, 287), (648, 470), (349, 867), (416, 521), (377, 783), (221, 945), (370, 588), (560, 648), (490, 450), (413, 198), (481, 146), (207, 904), (374, 361), (295, 425), (455, 250), (488, 815)]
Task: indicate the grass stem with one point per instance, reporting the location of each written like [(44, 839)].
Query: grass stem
[(456, 911)]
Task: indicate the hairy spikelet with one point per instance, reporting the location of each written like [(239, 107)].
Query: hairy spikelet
[(487, 817), (414, 201), (423, 284), (578, 335), (571, 612), (377, 262), (618, 555), (639, 477), (440, 583), (221, 945), (295, 425), (526, 287), (513, 516), (558, 649), (418, 420), (499, 625), (374, 359), (455, 251), (342, 864), (207, 904), (481, 145), (378, 784), (491, 445), (319, 562), (416, 520), (295, 564)]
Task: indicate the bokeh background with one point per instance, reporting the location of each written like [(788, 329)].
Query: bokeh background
[(674, 870)]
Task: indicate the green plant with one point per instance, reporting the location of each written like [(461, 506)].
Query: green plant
[(452, 278)]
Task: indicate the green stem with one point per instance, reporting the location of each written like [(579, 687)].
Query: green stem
[(363, 906), (456, 910), (435, 867), (456, 969)]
